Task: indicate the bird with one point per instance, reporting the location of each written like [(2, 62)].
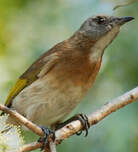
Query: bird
[(58, 80)]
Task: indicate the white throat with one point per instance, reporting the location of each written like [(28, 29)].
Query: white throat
[(101, 44)]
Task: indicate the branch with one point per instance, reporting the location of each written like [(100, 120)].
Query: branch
[(21, 119), (52, 146), (124, 4), (74, 126), (100, 114)]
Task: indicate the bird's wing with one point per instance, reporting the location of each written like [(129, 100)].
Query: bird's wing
[(20, 84), (38, 69)]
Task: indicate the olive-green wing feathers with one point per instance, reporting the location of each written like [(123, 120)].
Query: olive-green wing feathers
[(20, 84), (38, 69)]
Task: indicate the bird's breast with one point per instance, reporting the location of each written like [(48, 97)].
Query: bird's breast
[(47, 101), (51, 98)]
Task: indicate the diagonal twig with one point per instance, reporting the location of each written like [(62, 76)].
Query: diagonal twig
[(124, 4)]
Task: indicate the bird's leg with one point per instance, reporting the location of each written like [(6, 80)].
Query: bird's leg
[(82, 118), (47, 132)]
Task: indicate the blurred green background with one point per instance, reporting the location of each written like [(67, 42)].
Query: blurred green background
[(29, 27)]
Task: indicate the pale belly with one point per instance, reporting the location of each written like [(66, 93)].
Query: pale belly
[(46, 103)]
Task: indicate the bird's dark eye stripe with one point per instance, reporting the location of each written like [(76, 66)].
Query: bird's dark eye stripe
[(100, 19)]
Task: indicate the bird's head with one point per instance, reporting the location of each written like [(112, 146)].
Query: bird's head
[(99, 26)]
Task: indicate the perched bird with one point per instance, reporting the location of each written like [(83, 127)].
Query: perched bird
[(56, 82)]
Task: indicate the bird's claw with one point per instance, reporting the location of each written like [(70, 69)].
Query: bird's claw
[(47, 132), (82, 118), (85, 123)]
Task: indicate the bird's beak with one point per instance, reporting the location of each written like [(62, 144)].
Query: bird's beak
[(124, 20)]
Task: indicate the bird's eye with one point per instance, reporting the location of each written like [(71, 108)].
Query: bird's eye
[(100, 20)]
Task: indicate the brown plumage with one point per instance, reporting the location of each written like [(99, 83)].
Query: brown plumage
[(55, 83)]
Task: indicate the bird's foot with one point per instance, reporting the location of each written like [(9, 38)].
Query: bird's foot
[(82, 118), (85, 123), (47, 133)]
